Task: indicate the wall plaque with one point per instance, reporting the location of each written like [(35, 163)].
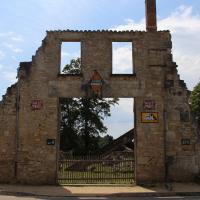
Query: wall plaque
[(149, 104), (185, 141), (37, 104), (149, 117), (51, 141)]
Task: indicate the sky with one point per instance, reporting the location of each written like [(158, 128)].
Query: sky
[(24, 23)]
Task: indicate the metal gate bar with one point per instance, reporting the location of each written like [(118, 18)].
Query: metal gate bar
[(97, 169)]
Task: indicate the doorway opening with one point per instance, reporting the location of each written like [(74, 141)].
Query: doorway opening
[(96, 141)]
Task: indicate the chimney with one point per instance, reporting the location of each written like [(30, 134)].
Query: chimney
[(151, 21)]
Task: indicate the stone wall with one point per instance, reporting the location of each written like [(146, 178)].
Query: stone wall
[(182, 158), (8, 135), (160, 154)]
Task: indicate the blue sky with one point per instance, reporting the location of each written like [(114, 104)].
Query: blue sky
[(24, 23)]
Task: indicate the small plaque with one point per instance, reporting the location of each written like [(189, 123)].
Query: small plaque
[(51, 141), (149, 117), (149, 105), (185, 141), (37, 104)]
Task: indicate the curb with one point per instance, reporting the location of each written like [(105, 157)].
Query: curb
[(147, 194)]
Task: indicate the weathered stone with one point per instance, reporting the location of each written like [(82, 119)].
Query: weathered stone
[(24, 155)]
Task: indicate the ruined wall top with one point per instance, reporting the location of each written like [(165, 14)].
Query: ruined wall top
[(108, 31), (127, 35)]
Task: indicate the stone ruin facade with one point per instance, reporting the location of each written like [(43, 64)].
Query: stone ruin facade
[(166, 150)]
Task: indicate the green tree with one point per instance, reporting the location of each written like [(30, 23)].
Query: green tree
[(103, 141), (68, 133), (195, 102), (74, 67), (82, 119)]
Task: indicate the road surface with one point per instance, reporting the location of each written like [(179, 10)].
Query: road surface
[(3, 197)]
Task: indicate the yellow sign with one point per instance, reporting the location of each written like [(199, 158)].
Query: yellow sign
[(149, 117)]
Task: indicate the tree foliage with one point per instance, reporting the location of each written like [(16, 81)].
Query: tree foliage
[(74, 67), (82, 123), (195, 102), (82, 126)]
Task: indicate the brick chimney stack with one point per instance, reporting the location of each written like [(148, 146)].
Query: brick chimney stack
[(151, 21)]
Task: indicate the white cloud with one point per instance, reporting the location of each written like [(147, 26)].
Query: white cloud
[(181, 20), (126, 105), (2, 55), (2, 34), (13, 48), (122, 59), (54, 8), (73, 55), (130, 25), (15, 58), (64, 54), (17, 39), (9, 75), (122, 118), (8, 78), (17, 50), (12, 36), (7, 38), (117, 129), (67, 56), (185, 29), (8, 34)]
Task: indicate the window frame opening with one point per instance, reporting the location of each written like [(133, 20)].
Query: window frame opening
[(70, 58), (119, 59)]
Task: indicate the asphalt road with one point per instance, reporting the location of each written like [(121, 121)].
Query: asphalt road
[(2, 197)]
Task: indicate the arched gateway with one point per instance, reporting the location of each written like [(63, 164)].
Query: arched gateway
[(166, 145)]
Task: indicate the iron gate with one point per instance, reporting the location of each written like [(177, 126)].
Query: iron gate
[(115, 168)]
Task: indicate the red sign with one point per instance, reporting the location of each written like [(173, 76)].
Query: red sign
[(96, 83), (149, 105), (37, 104)]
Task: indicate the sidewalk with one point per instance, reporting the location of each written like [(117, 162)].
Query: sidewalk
[(181, 189)]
